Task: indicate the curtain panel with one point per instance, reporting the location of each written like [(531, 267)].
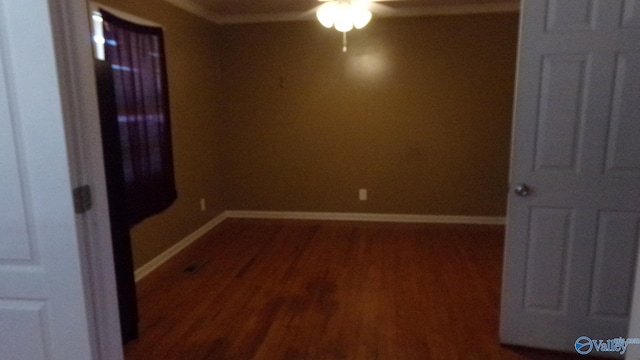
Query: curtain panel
[(136, 55)]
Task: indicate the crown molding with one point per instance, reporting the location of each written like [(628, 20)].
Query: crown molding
[(95, 6), (267, 18), (441, 10), (454, 10), (196, 9)]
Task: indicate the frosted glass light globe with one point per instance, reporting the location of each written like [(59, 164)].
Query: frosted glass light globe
[(344, 21), (361, 17), (326, 13), (344, 15)]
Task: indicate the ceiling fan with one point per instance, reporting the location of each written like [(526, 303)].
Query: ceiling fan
[(345, 15)]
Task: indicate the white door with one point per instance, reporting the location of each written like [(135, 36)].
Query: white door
[(571, 240), (43, 306)]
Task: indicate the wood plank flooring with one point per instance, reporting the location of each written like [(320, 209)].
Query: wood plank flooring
[(323, 290)]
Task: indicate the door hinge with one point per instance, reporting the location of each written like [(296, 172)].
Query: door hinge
[(82, 199)]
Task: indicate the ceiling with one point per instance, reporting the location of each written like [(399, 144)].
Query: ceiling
[(249, 11)]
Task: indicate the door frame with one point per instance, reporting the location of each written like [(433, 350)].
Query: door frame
[(74, 57)]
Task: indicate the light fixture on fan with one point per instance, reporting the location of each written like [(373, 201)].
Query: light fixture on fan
[(344, 15)]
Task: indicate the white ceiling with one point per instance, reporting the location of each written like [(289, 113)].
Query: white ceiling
[(248, 11)]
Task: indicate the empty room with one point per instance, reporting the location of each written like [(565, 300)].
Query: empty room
[(333, 179)]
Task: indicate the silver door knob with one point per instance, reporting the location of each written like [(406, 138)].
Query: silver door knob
[(522, 190)]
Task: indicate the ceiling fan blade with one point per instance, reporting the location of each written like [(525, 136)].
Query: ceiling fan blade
[(374, 1), (381, 9), (311, 13)]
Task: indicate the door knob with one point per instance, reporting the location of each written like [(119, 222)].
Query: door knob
[(522, 190)]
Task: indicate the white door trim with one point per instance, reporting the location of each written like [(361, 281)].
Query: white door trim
[(70, 21)]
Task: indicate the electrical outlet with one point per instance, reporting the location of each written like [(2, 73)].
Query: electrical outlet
[(362, 194), (203, 204)]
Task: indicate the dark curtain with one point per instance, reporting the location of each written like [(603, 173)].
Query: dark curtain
[(117, 199), (136, 54)]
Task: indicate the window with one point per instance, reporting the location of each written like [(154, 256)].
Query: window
[(98, 35), (136, 55)]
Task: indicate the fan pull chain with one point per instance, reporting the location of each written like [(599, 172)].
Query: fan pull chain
[(344, 42)]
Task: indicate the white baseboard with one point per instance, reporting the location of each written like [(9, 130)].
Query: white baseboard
[(147, 268), (402, 218)]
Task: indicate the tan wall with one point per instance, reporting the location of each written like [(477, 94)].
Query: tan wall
[(275, 117), (194, 87), (417, 111)]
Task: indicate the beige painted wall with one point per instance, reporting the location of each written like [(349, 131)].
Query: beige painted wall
[(418, 111), (194, 88), (275, 117)]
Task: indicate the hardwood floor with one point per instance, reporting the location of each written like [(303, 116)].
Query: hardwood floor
[(316, 290)]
